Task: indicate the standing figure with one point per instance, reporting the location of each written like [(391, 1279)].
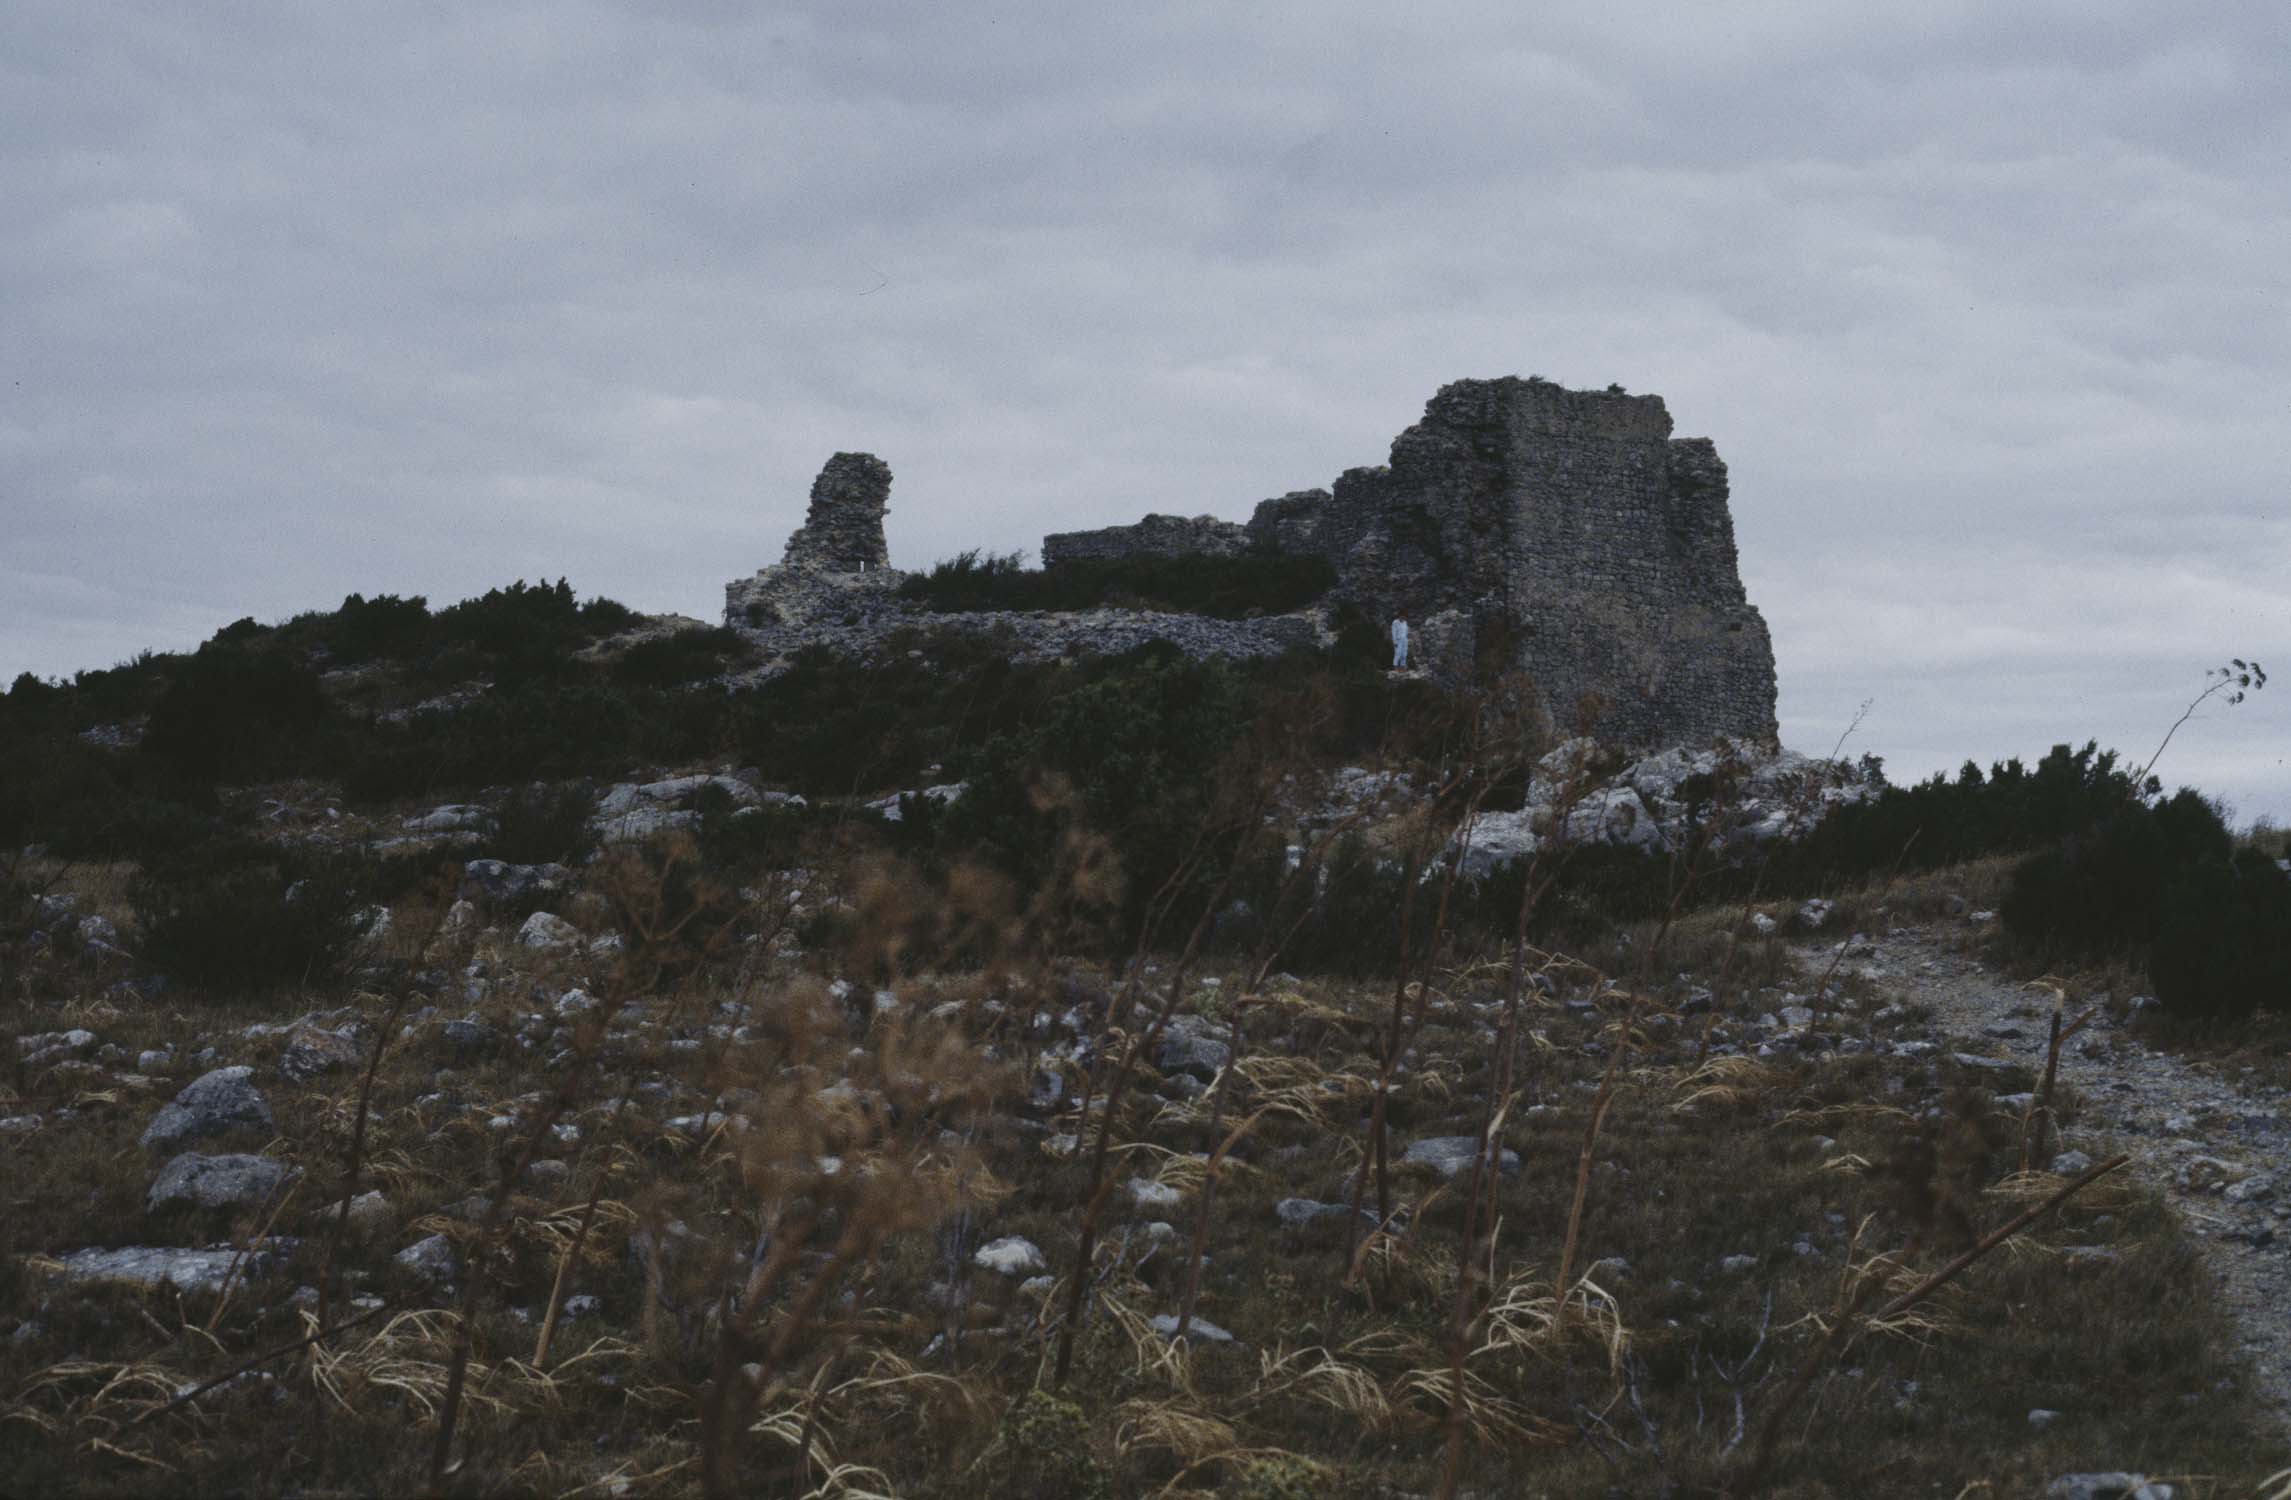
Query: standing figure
[(1399, 645)]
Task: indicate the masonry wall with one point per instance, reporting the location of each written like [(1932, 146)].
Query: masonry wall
[(1564, 533), (1519, 524), (1155, 536)]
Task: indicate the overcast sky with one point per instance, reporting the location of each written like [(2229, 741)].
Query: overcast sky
[(1984, 305)]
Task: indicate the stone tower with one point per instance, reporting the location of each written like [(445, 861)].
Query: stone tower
[(1564, 533), (843, 530)]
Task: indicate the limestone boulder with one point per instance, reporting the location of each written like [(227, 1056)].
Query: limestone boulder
[(218, 1103), (216, 1183)]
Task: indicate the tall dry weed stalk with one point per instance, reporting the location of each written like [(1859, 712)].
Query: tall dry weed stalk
[(662, 943), (832, 1174), (1849, 1320)]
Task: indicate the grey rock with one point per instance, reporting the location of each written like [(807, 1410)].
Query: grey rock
[(370, 1212), (2070, 1164), (432, 1259), (48, 1048), (893, 808), (1296, 1213), (215, 1103), (1453, 1155), (2250, 1190), (2107, 1487), (1010, 1256), (1146, 1193), (1200, 1330), (1192, 1052), (150, 1267), (548, 932), (451, 818), (468, 1034), (499, 881), (642, 823), (310, 1052), (2040, 1417), (192, 1180)]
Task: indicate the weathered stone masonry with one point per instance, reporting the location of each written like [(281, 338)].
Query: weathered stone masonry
[(1519, 524), (1155, 536), (1562, 532)]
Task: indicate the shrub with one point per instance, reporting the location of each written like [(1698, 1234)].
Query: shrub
[(2101, 891), (2166, 882), (384, 626), (1042, 1452), (235, 712), (2224, 939), (545, 823), (224, 923), (1942, 821), (739, 842), (504, 621), (1279, 1477), (673, 660), (1131, 754)]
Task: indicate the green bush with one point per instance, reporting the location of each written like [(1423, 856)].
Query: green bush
[(235, 712), (1042, 1451), (673, 660), (385, 626), (2168, 884), (545, 823), (1130, 753), (1280, 1477), (230, 923), (2223, 944), (2101, 891), (1942, 821)]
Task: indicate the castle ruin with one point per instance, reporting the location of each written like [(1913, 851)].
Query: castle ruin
[(1518, 525)]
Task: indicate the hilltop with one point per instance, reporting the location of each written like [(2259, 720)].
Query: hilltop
[(1101, 1030)]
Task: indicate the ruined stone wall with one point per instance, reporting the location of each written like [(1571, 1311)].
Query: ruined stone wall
[(835, 588), (1155, 536), (1565, 533), (1520, 525)]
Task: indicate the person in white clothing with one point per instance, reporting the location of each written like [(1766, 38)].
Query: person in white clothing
[(1399, 645)]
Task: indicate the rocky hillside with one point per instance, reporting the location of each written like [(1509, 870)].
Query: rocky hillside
[(525, 1047)]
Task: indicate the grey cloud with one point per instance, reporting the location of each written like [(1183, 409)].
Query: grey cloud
[(1982, 304)]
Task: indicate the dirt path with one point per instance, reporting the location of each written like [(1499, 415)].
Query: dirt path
[(2220, 1151)]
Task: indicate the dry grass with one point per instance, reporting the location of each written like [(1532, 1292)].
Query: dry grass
[(1725, 1203)]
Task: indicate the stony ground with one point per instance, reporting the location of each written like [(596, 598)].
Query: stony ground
[(2215, 1141), (1724, 1204)]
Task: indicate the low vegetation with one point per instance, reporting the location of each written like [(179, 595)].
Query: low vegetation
[(1145, 1120)]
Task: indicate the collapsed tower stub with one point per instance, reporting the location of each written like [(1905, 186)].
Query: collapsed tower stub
[(842, 532)]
